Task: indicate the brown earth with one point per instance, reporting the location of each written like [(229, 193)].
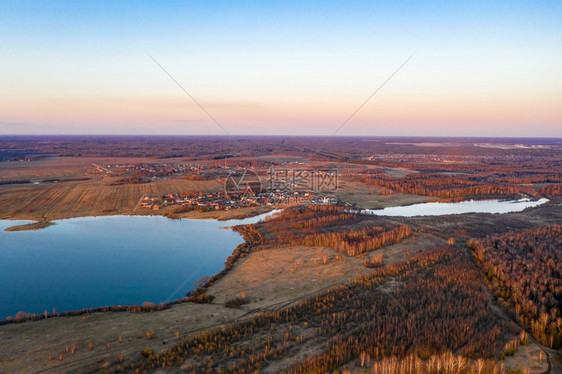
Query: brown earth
[(67, 197), (86, 198), (30, 226), (61, 167), (368, 197)]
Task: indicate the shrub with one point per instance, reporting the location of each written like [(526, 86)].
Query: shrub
[(236, 302)]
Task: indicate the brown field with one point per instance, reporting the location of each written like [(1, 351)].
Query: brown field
[(87, 198), (67, 199), (59, 167), (295, 273), (368, 197), (26, 347)]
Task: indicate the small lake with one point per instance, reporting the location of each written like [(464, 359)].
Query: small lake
[(113, 260), (470, 206)]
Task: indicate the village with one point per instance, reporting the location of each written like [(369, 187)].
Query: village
[(222, 201), (154, 170), (284, 187)]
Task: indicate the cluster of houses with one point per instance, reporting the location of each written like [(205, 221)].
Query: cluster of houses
[(157, 170), (224, 201), (207, 201), (425, 158)]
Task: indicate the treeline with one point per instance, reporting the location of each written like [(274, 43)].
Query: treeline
[(298, 221), (216, 147), (251, 237), (310, 216), (553, 190), (435, 306), (436, 185), (524, 270), (26, 317), (330, 226), (355, 243), (489, 177), (129, 180), (245, 163), (534, 168), (191, 177), (447, 363), (533, 178)]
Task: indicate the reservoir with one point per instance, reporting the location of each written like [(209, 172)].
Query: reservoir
[(470, 206), (112, 260)]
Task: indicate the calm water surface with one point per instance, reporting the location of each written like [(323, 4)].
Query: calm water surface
[(471, 206), (117, 260)]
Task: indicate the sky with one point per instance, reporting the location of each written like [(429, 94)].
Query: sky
[(477, 68)]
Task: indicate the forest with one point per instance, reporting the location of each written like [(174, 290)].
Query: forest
[(429, 312), (355, 243), (436, 185), (524, 271), (330, 226), (458, 177)]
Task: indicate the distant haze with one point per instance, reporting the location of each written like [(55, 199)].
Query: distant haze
[(301, 68)]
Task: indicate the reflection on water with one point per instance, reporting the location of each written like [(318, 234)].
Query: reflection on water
[(471, 206)]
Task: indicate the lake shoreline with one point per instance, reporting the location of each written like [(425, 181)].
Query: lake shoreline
[(41, 224), (195, 215), (494, 206), (194, 295), (38, 225)]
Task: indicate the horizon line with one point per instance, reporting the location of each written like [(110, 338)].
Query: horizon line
[(290, 135)]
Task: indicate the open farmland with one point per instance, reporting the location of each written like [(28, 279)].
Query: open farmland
[(65, 197), (87, 198)]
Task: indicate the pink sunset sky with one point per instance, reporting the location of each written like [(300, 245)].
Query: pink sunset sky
[(492, 69)]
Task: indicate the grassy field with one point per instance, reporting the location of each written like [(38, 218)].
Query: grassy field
[(58, 167), (369, 197)]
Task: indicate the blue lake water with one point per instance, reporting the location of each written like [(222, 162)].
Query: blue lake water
[(462, 207), (115, 260)]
